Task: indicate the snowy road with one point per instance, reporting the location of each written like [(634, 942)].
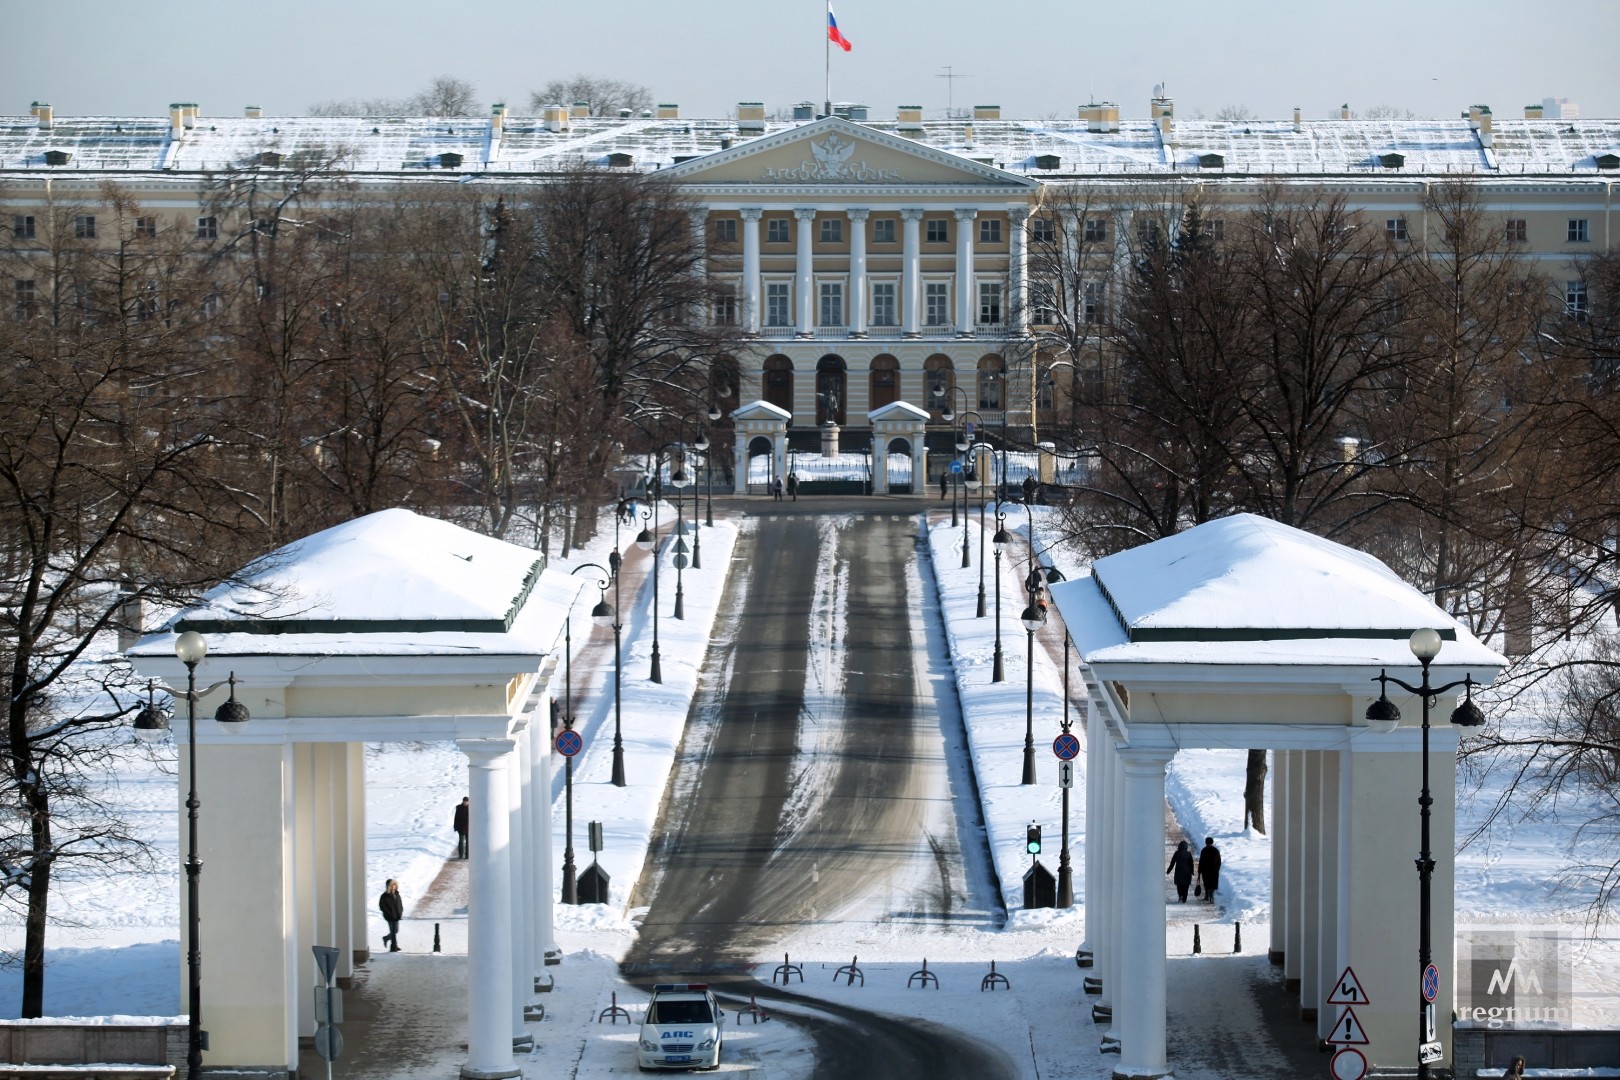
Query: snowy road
[(813, 790)]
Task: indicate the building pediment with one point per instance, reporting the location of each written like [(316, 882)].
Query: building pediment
[(835, 152)]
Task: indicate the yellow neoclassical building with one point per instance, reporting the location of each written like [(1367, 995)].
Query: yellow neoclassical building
[(873, 258)]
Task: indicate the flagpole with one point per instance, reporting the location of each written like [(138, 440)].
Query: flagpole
[(826, 59)]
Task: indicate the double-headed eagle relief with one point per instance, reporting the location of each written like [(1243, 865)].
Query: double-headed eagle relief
[(832, 163)]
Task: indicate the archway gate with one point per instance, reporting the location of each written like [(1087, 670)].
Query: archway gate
[(389, 628), (1243, 633)]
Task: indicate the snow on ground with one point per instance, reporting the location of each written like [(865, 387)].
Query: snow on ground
[(116, 949)]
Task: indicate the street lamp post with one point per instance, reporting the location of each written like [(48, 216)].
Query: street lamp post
[(1425, 645), (708, 476), (1033, 618), (616, 563), (1000, 541), (1065, 887), (599, 615), (150, 725), (648, 541)]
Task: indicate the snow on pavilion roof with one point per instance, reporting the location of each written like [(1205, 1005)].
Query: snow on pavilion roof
[(389, 583), (391, 146), (1249, 590)]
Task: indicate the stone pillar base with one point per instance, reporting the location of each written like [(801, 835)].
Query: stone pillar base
[(1134, 1074), (470, 1073)]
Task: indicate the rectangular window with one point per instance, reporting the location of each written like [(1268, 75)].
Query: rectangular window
[(207, 228), (146, 228), (936, 304), (989, 390), (1042, 231), (1395, 229), (1147, 232), (1043, 303), (938, 231), (1575, 300), (84, 227), (1096, 231), (725, 306), (776, 231), (990, 231), (1093, 301), (1518, 231), (832, 230), (989, 303), (22, 226), (725, 230), (210, 305), (25, 300), (832, 303), (883, 304), (146, 302), (1577, 231), (883, 230), (1217, 229), (778, 304), (265, 226)]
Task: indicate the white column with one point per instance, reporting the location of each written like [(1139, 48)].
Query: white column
[(919, 464), (1294, 877), (804, 270), (1018, 257), (1310, 927), (307, 883), (1093, 835), (750, 282), (911, 288), (699, 218), (1113, 869), (857, 271), (489, 912), (1279, 857), (966, 288), (523, 936), (1327, 857), (359, 900), (1139, 1007), (880, 463), (537, 801)]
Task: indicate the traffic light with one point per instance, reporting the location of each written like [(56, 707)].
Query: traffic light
[(1032, 839)]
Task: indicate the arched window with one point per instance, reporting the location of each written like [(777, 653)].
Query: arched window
[(992, 383), (778, 373), (885, 378), (938, 371)]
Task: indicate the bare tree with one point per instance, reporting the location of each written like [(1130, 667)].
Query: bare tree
[(606, 97), (446, 95), (1234, 113)]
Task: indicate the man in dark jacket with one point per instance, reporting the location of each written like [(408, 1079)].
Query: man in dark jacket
[(459, 823), (1209, 868), (392, 907), (1182, 863)]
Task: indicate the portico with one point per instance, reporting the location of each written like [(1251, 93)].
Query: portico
[(1243, 633), (392, 627)]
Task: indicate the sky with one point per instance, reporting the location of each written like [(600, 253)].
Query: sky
[(1433, 58)]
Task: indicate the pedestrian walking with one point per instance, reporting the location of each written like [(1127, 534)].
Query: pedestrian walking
[(459, 823), (1209, 868), (1182, 863), (776, 489), (942, 481), (392, 906), (1515, 1069), (793, 486), (1029, 491)]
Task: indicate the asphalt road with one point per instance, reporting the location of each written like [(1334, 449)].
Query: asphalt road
[(757, 840)]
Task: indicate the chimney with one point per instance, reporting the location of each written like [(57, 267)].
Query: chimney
[(750, 116), (1110, 116), (190, 116), (253, 112), (1487, 136), (908, 118), (177, 119), (42, 109), (1532, 112), (1167, 126), (1344, 111), (668, 112), (986, 112), (555, 118), (497, 120), (1162, 103), (1299, 119), (580, 109)]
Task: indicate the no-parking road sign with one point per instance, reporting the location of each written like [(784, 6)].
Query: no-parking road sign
[(569, 743), (1066, 747), (1349, 1064)]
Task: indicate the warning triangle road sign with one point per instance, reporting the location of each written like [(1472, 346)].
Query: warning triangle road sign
[(1347, 1030), (1348, 991)]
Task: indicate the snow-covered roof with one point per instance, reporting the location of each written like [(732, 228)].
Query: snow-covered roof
[(1248, 590), (528, 146), (389, 583)]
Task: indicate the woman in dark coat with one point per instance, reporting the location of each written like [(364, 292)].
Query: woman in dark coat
[(1209, 868), (1182, 863), (392, 907)]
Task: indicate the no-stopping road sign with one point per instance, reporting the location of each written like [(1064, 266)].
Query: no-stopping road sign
[(1066, 747), (569, 743)]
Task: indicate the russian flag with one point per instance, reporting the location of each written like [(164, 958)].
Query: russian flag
[(834, 35)]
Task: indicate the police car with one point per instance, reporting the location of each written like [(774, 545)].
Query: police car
[(681, 1029)]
